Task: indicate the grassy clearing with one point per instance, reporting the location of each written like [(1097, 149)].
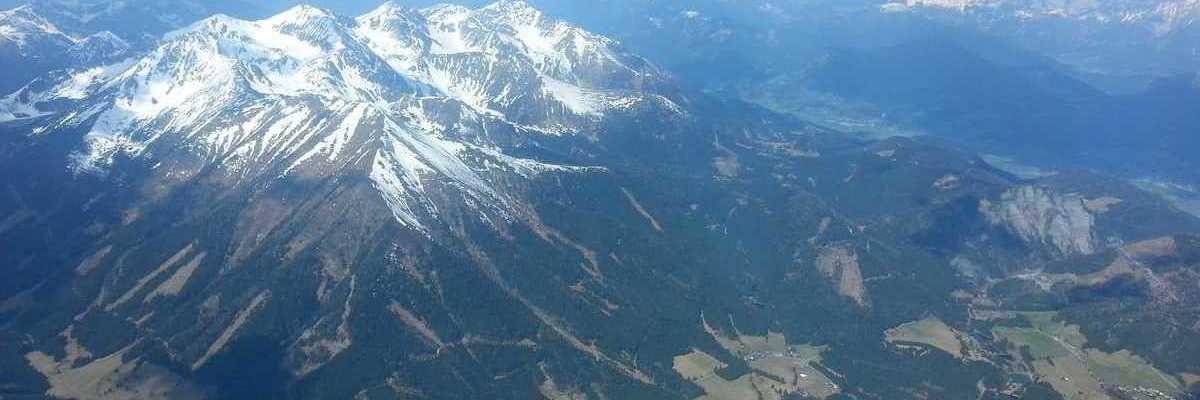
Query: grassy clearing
[(774, 377), (1070, 378), (1044, 322), (1046, 338), (1039, 344), (1057, 360), (796, 371), (1124, 368), (777, 369), (701, 369), (1060, 360), (111, 378), (929, 331), (696, 365)]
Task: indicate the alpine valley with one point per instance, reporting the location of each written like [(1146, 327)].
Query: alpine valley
[(494, 203)]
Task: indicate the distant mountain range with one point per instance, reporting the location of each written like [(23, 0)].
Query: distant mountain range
[(37, 46), (1124, 38), (978, 75)]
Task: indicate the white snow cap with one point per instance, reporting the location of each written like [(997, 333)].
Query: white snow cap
[(409, 95)]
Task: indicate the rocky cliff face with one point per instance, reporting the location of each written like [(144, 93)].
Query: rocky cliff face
[(1039, 216)]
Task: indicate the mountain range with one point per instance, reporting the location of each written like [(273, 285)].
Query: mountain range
[(1102, 38), (494, 202), (1080, 89)]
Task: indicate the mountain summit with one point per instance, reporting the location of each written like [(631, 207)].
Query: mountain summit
[(32, 45), (412, 137), (409, 95)]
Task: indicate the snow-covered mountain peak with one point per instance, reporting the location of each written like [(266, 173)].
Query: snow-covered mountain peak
[(103, 45), (386, 11), (514, 9), (140, 22), (305, 20), (304, 52), (23, 26), (301, 14), (23, 12), (507, 60), (543, 38), (230, 38), (105, 36), (33, 44), (512, 60), (446, 12), (309, 93), (315, 25)]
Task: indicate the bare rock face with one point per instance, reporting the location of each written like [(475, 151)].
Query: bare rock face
[(1039, 216)]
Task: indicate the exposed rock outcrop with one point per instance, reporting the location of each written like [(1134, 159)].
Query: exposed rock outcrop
[(1039, 216)]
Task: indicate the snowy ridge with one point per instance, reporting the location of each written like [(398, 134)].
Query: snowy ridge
[(102, 45), (32, 39), (509, 59), (82, 18), (23, 28), (33, 46), (417, 101), (21, 25)]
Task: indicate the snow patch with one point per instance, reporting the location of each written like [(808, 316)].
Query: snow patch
[(578, 100)]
